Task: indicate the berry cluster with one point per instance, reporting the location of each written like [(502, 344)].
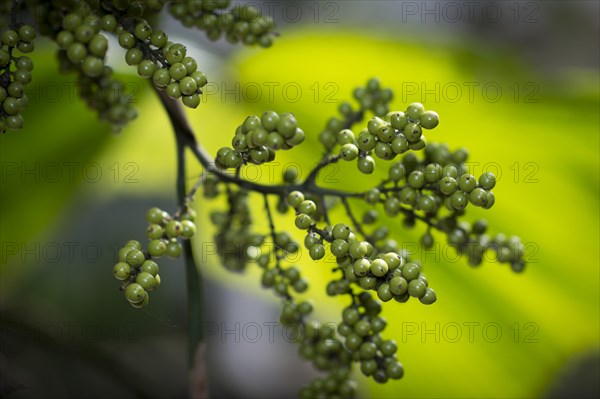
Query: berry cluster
[(139, 275), (242, 23), (320, 345), (162, 61), (372, 98), (136, 269), (386, 139), (361, 326), (234, 236), (13, 82), (83, 51), (258, 139)]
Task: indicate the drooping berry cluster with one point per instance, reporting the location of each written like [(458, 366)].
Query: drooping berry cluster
[(136, 269), (13, 82), (361, 327), (258, 139), (234, 235), (162, 61), (241, 23), (139, 275), (325, 350), (83, 51)]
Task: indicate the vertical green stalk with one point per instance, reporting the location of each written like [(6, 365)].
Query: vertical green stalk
[(195, 291)]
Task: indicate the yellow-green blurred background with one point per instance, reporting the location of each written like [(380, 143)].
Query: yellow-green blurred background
[(520, 91)]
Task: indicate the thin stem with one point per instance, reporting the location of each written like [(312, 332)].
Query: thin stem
[(355, 222), (326, 161), (195, 290)]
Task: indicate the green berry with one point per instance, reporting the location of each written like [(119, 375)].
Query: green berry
[(367, 283), (361, 267), (478, 197), (416, 288), (76, 52), (134, 56), (411, 271), (448, 185), (84, 33), (141, 304), (384, 293), (92, 66), (145, 280), (427, 203), (270, 120), (366, 165), (368, 350), (487, 181), (345, 136), (142, 31), (10, 38), (429, 119), (135, 293), (64, 39), (429, 297), (358, 249), (399, 144), (303, 221), (366, 141), (295, 198), (173, 90), (108, 23), (384, 151), (155, 215), (490, 200), (122, 271), (375, 124), (188, 229), (98, 45), (368, 367), (395, 370), (174, 249), (349, 152), (379, 268), (412, 132), (414, 111), (191, 101), (398, 120), (388, 348), (416, 179), (350, 316), (362, 328), (188, 86), (386, 133), (161, 77), (146, 68), (459, 200), (154, 231), (317, 251), (341, 231), (174, 55), (308, 207), (200, 78), (27, 33), (287, 125), (467, 183), (157, 248), (301, 285), (173, 228), (135, 258), (149, 266), (398, 285)]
